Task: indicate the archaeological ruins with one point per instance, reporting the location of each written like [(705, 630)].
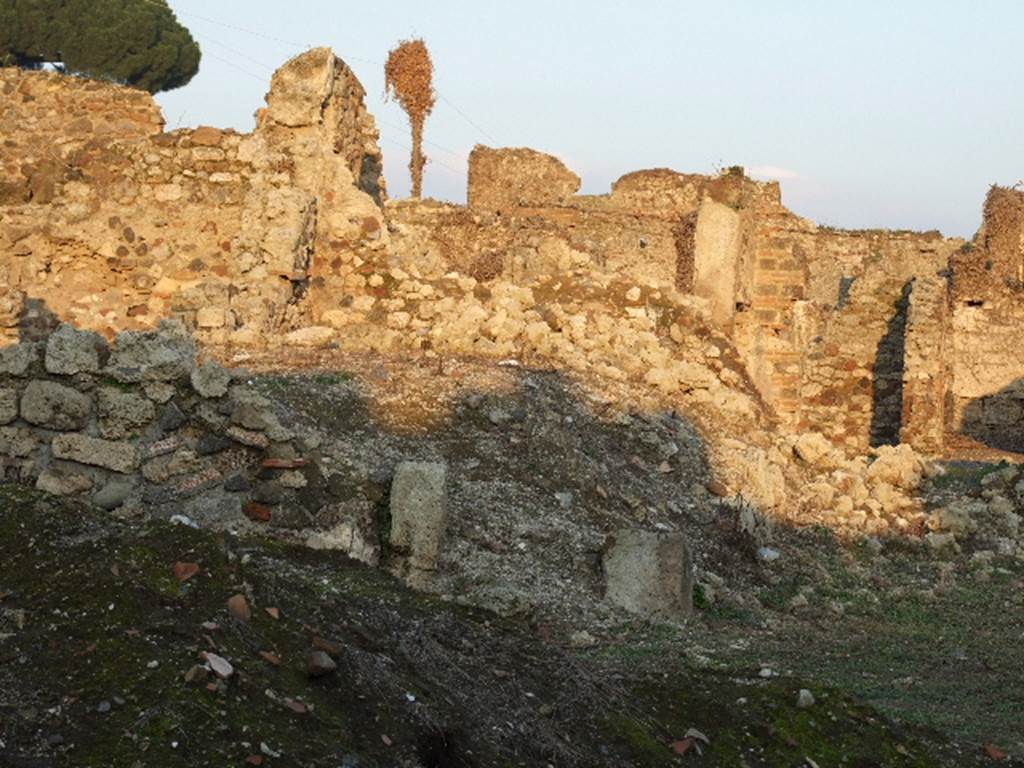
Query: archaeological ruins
[(804, 347), (870, 337)]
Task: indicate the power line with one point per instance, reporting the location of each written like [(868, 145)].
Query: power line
[(407, 148), (466, 117), (235, 66), (232, 50)]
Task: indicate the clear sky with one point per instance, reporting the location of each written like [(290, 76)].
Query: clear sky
[(872, 113)]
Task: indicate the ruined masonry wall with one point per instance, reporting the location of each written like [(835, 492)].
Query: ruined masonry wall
[(285, 236), (987, 382), (854, 368), (235, 235)]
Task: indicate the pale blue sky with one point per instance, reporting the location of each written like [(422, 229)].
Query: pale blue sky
[(873, 113)]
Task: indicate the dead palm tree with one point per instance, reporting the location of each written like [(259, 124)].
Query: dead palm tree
[(409, 79)]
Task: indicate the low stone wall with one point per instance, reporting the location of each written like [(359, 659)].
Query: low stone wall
[(140, 427)]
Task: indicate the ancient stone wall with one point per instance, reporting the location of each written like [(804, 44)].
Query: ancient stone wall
[(987, 382), (285, 237), (853, 374), (503, 180), (525, 218), (47, 118), (927, 369), (236, 235)]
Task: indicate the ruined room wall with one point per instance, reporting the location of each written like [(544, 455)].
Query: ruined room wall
[(823, 334), (987, 387), (772, 318), (503, 179), (236, 235), (854, 368)]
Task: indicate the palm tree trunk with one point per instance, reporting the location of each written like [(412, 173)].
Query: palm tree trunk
[(418, 158)]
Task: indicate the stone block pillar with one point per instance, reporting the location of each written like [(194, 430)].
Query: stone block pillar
[(419, 514), (649, 573)]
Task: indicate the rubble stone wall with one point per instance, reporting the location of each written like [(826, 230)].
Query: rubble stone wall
[(927, 370), (853, 373), (141, 425), (47, 118)]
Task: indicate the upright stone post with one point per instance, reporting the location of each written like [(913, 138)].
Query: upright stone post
[(649, 573)]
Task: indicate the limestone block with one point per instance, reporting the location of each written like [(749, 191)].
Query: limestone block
[(114, 493), (17, 442), (62, 483), (168, 193), (210, 317), (419, 512), (210, 380), (110, 454), (16, 360), (205, 136), (123, 414), (54, 406), (301, 87), (166, 354), (898, 465), (311, 336), (716, 257), (255, 412), (70, 351), (163, 468), (8, 405), (649, 573), (812, 448), (287, 221)]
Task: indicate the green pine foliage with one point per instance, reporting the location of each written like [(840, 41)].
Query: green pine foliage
[(136, 42)]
